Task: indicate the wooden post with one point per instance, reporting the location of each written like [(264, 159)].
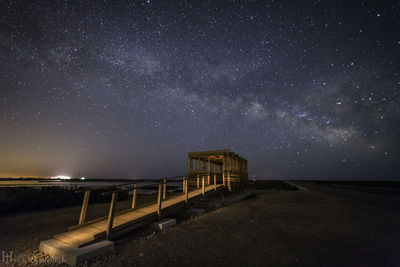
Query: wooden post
[(229, 182), (190, 165), (186, 192), (198, 164), (215, 181), (84, 207), (159, 201), (224, 168), (183, 184), (209, 170), (198, 180), (165, 189), (203, 187), (111, 216), (134, 196)]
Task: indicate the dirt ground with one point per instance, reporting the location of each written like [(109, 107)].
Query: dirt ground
[(323, 226)]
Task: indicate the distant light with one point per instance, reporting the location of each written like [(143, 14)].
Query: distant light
[(83, 178), (62, 177)]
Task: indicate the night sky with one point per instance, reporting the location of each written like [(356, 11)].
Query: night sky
[(302, 89)]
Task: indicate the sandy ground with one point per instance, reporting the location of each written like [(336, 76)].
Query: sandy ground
[(325, 226)]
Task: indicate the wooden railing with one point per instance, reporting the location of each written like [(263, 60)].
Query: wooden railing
[(162, 195)]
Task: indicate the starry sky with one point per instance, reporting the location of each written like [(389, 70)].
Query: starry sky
[(124, 89)]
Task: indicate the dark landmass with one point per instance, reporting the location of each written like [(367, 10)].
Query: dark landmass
[(322, 224)]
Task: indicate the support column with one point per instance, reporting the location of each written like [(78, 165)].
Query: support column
[(209, 170), (203, 187), (204, 165), (134, 196), (111, 216), (159, 200), (186, 193), (84, 207), (224, 169), (190, 165), (164, 189), (198, 164), (237, 174), (198, 171), (229, 182)]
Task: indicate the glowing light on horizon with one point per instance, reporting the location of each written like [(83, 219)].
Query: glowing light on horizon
[(65, 177)]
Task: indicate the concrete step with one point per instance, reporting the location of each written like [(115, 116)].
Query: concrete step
[(71, 255), (163, 224)]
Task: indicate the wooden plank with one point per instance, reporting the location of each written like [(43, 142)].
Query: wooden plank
[(203, 186), (134, 197), (84, 207), (111, 215), (209, 152), (164, 189), (159, 202), (186, 192)]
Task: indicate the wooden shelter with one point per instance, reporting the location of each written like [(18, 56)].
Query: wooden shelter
[(215, 166)]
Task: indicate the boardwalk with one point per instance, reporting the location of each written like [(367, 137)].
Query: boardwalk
[(124, 221)]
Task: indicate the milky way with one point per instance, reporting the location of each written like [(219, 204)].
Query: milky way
[(302, 89)]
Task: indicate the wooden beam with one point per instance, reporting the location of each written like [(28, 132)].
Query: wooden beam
[(134, 196), (229, 182), (111, 215), (198, 164), (84, 207), (209, 152), (198, 180), (159, 201), (215, 181), (209, 170), (186, 193), (164, 189), (190, 166), (203, 187), (183, 184)]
